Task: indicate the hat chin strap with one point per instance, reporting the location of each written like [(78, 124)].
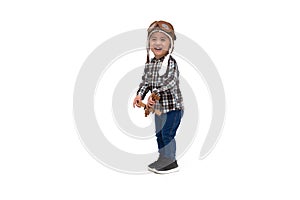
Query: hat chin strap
[(164, 65)]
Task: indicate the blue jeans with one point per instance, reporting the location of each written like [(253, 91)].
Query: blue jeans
[(166, 126)]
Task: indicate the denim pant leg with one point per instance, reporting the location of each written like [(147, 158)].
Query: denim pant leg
[(166, 127), (159, 123)]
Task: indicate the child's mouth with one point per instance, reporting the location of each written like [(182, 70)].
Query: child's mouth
[(157, 49)]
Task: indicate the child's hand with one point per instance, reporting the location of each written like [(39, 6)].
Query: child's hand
[(136, 101), (150, 102)]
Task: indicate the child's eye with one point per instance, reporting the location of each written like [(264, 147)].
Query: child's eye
[(163, 39)]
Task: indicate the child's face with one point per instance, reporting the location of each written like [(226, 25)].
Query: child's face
[(159, 44)]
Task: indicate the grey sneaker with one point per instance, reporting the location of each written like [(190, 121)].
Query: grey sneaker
[(166, 169), (153, 165)]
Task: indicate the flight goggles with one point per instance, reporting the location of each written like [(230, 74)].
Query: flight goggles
[(165, 26)]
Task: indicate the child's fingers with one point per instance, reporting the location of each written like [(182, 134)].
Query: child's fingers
[(151, 101), (151, 104), (136, 103)]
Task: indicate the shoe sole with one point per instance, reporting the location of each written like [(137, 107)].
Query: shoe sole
[(166, 171), (151, 169)]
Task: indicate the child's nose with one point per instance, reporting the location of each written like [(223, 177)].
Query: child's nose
[(157, 42)]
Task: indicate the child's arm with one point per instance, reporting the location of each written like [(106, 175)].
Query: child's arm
[(144, 86)]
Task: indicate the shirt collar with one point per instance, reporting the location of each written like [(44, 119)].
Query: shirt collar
[(160, 59)]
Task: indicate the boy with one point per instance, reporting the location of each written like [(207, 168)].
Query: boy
[(161, 76)]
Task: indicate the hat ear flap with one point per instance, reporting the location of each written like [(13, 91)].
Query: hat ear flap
[(148, 59)]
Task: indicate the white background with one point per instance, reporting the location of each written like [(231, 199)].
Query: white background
[(255, 46)]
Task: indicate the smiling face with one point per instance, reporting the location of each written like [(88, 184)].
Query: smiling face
[(159, 44)]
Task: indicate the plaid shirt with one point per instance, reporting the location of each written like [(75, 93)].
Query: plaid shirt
[(165, 85)]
